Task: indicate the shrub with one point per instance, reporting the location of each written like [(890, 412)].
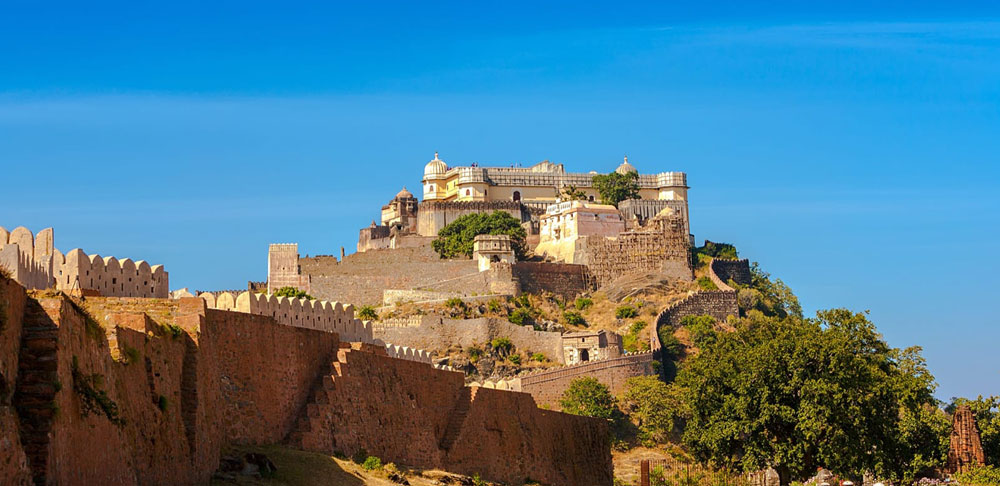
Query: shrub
[(521, 316), (292, 292), (670, 345), (371, 463), (515, 358), (502, 346), (494, 306), (636, 327), (588, 397), (583, 303), (367, 313), (455, 303), (574, 318), (457, 237), (538, 357), (705, 283), (626, 312), (93, 399), (980, 476), (474, 353), (701, 329), (172, 330)]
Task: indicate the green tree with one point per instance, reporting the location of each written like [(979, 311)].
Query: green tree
[(457, 237), (655, 406), (367, 313), (293, 293), (588, 397), (615, 188), (775, 298), (571, 193), (795, 394)]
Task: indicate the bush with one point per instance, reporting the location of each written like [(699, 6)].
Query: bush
[(371, 463), (367, 313), (626, 312), (172, 330), (980, 476), (583, 303), (574, 318), (502, 346), (705, 283), (515, 358), (521, 316), (670, 345), (538, 357), (457, 237), (701, 329), (588, 397), (474, 353), (292, 292), (494, 306)]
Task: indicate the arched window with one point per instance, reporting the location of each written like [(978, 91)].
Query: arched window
[(467, 192), (584, 355), (517, 195)]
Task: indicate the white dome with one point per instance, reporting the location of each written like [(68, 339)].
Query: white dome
[(435, 167), (626, 167)]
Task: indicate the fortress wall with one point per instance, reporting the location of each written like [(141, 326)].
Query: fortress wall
[(547, 386), (664, 250), (362, 277), (507, 436), (719, 304), (434, 215), (566, 280), (725, 270), (265, 371), (438, 334), (303, 313), (240, 377), (13, 462), (110, 276), (27, 257)]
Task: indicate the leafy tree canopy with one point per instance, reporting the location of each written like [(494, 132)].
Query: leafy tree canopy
[(795, 394), (293, 293), (615, 188), (655, 406), (457, 237), (590, 398), (572, 193)]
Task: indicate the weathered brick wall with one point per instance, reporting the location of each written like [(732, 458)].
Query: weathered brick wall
[(662, 247), (548, 386), (434, 215), (361, 278), (965, 450), (736, 270), (438, 334), (564, 279), (13, 463)]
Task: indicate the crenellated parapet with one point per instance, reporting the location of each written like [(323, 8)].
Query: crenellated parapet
[(27, 257), (109, 276), (407, 353), (305, 313)]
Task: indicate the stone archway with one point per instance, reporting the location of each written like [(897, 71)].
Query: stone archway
[(517, 196), (584, 355)]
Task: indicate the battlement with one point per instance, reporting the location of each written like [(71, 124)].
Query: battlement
[(304, 313), (721, 271)]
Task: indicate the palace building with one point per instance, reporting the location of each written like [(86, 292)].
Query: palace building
[(538, 185)]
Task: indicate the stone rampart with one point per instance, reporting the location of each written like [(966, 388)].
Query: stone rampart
[(438, 334), (719, 304), (28, 257), (361, 278), (13, 461), (434, 215), (725, 270), (564, 279), (547, 386), (305, 313), (662, 247), (232, 377)]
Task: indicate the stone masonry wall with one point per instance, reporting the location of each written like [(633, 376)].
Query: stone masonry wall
[(13, 463), (438, 334), (719, 304), (663, 249), (547, 386), (237, 377), (434, 215), (361, 278), (564, 279), (736, 270)]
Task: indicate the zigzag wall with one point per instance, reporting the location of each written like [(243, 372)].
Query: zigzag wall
[(722, 271), (719, 304)]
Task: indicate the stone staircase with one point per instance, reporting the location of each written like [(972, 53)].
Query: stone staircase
[(37, 383), (312, 429), (457, 417)]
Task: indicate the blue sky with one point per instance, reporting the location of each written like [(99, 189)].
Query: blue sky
[(853, 149)]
